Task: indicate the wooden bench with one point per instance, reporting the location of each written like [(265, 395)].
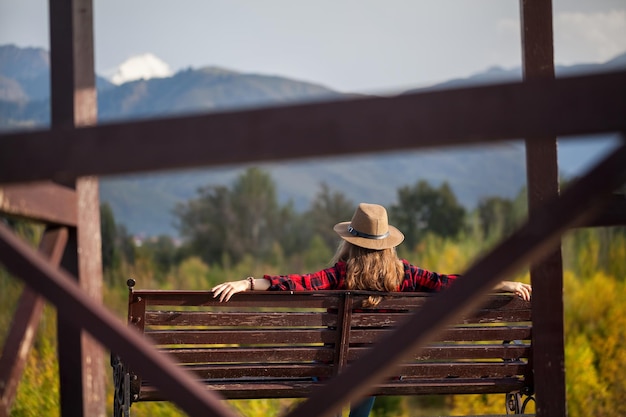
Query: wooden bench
[(285, 344)]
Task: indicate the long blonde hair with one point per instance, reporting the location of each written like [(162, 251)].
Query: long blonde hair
[(370, 269)]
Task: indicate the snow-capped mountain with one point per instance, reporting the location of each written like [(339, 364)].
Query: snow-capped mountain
[(144, 66)]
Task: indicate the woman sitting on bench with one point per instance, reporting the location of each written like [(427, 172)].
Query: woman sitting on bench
[(366, 259)]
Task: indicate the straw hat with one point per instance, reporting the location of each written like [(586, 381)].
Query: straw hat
[(369, 228)]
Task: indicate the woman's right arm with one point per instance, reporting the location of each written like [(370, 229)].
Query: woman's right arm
[(326, 279)]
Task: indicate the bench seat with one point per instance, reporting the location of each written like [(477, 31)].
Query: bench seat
[(286, 344)]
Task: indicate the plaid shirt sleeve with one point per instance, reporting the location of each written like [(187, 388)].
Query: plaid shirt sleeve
[(420, 280), (332, 278)]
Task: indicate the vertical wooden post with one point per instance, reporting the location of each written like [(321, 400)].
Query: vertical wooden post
[(90, 274), (73, 103), (543, 184)]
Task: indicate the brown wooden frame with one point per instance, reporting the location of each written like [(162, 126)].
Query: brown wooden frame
[(538, 109)]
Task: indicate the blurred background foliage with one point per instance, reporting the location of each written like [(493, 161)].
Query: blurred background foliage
[(231, 232)]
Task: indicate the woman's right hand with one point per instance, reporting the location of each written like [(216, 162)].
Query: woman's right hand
[(226, 290)]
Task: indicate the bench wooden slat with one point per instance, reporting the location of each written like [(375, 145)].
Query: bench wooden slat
[(241, 390), (415, 301), (463, 370), (239, 319), (311, 370), (324, 335), (277, 319), (325, 353), (246, 354), (301, 389), (243, 337), (449, 386), (495, 333), (481, 316), (449, 352), (262, 370), (303, 299)]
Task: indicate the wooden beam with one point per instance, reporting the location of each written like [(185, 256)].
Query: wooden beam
[(61, 289), (90, 279), (26, 318), (62, 68), (536, 238), (45, 202), (614, 213), (543, 185), (567, 106)]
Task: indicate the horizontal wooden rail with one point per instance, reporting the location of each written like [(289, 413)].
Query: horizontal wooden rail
[(540, 108), (46, 202)]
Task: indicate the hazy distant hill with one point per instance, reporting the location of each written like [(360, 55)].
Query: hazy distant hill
[(143, 203), (201, 90), (28, 69), (25, 87), (502, 75)]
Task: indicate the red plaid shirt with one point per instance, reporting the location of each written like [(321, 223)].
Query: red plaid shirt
[(334, 278)]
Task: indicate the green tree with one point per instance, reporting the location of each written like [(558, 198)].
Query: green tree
[(318, 255), (423, 208), (117, 243), (294, 231), (255, 207), (108, 231), (193, 275), (496, 216), (125, 244), (203, 222), (223, 223), (327, 209), (163, 252)]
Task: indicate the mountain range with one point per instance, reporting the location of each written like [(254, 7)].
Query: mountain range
[(143, 203)]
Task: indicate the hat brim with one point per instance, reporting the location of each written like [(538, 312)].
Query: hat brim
[(394, 238)]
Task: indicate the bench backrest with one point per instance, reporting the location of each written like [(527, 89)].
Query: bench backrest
[(282, 344)]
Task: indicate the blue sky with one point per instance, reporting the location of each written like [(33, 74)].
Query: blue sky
[(348, 45)]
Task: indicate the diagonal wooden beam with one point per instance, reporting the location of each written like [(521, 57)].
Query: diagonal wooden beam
[(566, 106), (45, 202), (528, 244), (60, 288), (614, 213), (24, 324)]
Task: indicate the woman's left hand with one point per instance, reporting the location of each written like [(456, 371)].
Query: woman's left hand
[(524, 291)]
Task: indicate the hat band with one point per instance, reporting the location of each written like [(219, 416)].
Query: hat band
[(355, 232)]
